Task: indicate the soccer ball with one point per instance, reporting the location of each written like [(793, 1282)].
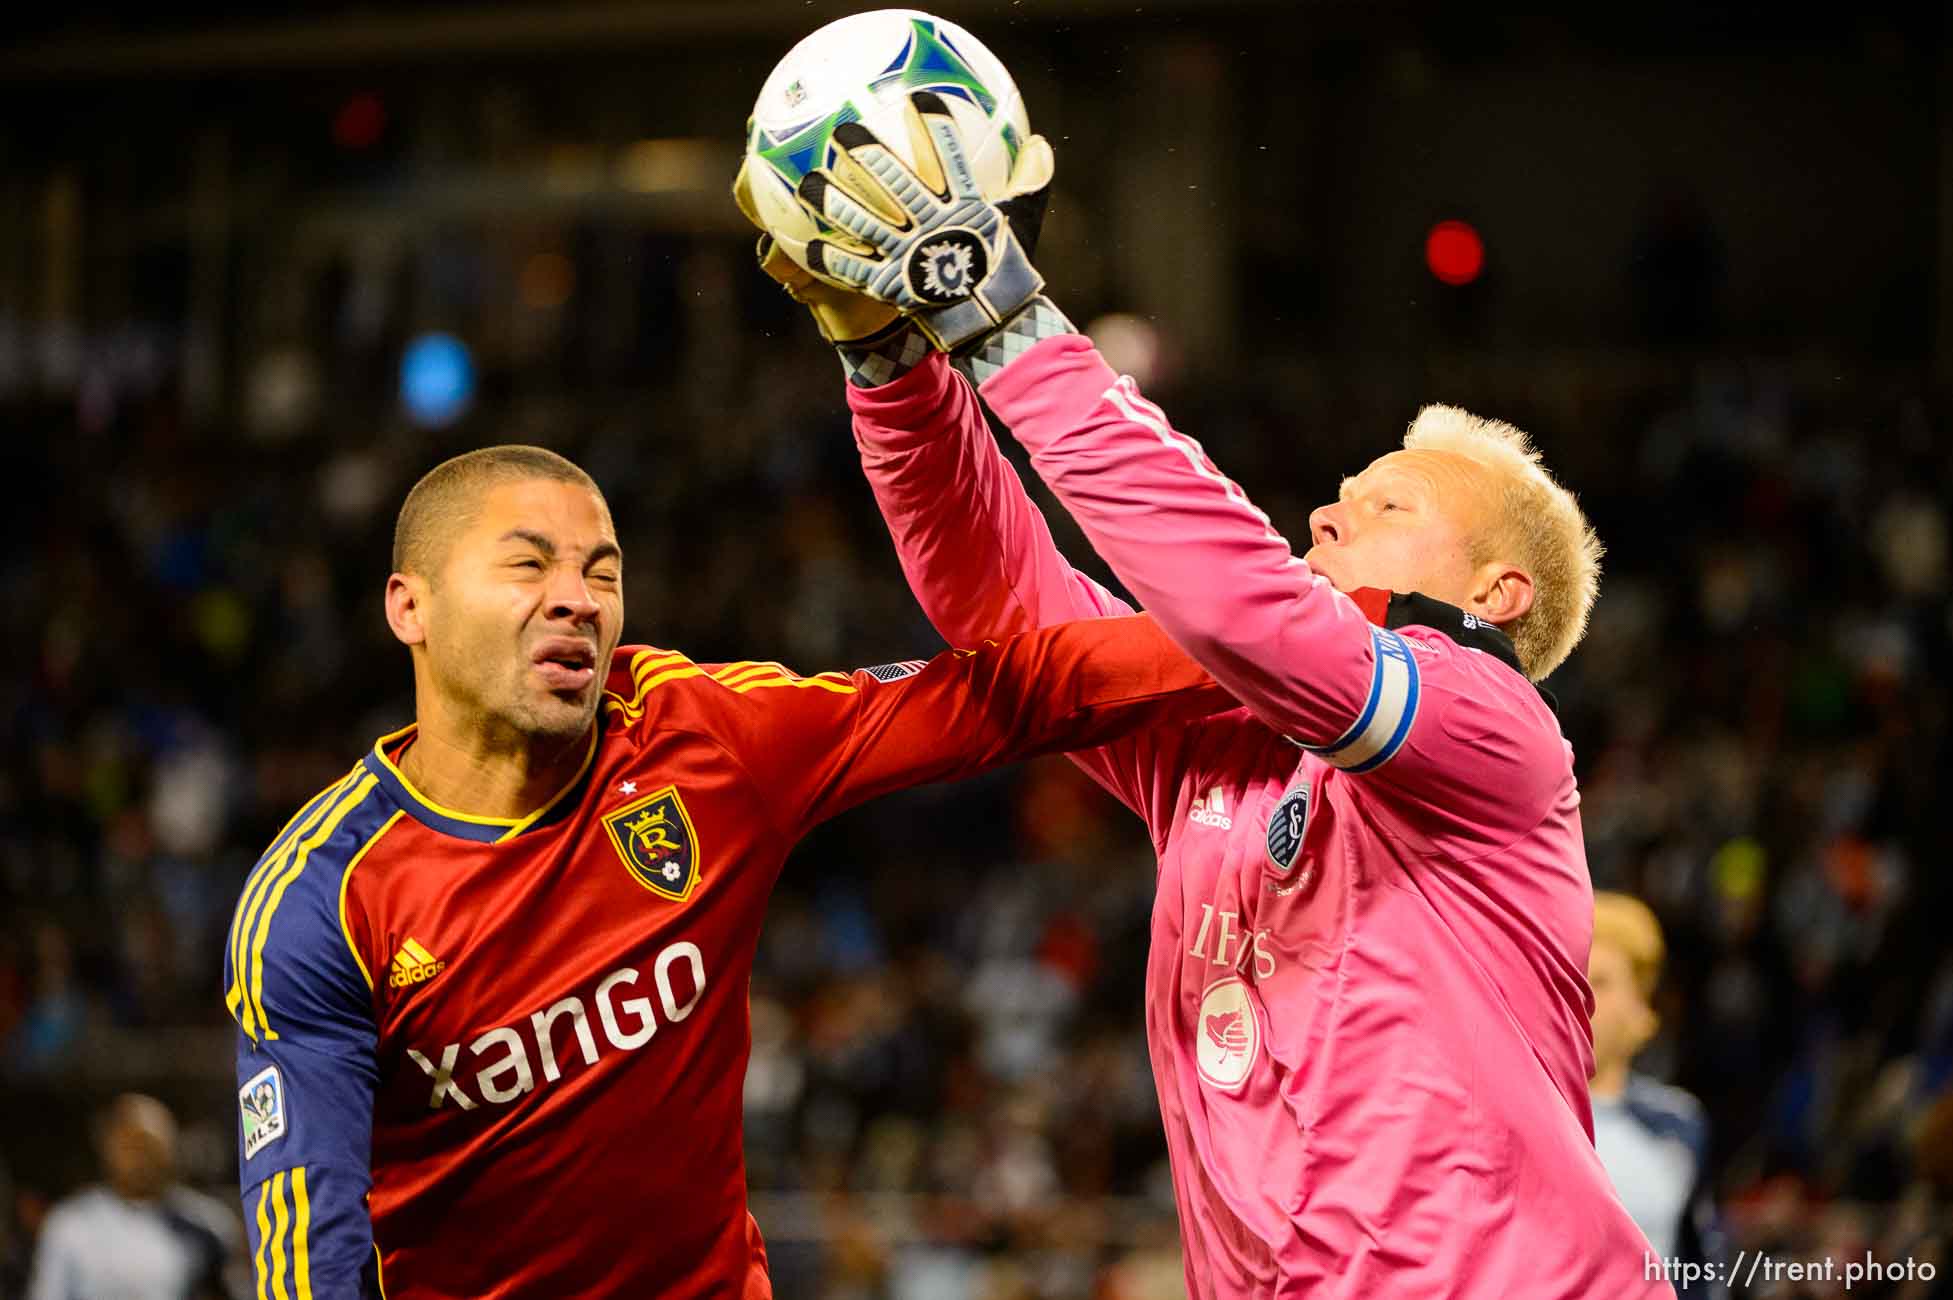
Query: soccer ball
[(861, 69)]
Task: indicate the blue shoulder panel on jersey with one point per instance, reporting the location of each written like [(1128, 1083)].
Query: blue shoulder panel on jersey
[(306, 1046), (301, 1001), (285, 941), (1389, 708)]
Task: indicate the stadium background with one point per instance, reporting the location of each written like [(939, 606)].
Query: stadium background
[(1717, 286)]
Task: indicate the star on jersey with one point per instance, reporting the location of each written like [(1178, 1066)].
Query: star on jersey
[(627, 787)]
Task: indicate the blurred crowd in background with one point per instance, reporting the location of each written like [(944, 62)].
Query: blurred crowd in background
[(949, 1096)]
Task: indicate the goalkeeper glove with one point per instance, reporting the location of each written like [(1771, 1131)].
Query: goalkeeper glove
[(874, 343), (844, 318), (927, 242)]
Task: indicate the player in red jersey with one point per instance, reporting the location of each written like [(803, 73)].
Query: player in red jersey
[(490, 987)]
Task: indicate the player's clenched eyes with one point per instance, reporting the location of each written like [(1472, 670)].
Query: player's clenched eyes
[(535, 565)]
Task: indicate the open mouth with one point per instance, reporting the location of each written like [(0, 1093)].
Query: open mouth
[(565, 663)]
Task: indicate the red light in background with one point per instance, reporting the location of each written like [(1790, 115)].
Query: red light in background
[(359, 122), (1454, 252)]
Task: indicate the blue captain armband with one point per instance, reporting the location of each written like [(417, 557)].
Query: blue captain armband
[(1389, 709)]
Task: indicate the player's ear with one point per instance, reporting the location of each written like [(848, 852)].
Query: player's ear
[(1503, 592), (406, 601)]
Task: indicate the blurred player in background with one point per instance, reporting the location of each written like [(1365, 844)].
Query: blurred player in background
[(140, 1235), (1654, 1139), (1366, 994), (491, 987)]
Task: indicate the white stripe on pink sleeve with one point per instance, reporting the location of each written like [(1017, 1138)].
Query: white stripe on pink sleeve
[(1125, 395), (1200, 557)]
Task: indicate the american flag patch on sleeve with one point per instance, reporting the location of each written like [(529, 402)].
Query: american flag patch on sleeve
[(897, 671)]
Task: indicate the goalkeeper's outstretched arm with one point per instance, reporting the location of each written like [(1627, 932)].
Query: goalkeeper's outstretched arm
[(1445, 726), (1304, 656), (977, 552), (1148, 499), (971, 543), (1186, 541), (973, 546)]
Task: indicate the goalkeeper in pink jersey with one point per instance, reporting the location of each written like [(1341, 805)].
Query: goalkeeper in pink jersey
[(1367, 1004)]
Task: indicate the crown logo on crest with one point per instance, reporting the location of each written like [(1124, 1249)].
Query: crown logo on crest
[(655, 839)]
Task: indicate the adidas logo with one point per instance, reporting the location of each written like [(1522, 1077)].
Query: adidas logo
[(1210, 809), (413, 964)]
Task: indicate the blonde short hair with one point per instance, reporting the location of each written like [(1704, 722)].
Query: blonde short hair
[(1624, 922), (1538, 526)]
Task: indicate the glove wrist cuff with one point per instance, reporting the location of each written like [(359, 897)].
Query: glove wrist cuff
[(883, 357), (1040, 319)]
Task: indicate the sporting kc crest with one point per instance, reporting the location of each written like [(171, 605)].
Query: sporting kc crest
[(655, 838), (1286, 827)]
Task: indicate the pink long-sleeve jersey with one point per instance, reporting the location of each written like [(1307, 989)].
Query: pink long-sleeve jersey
[(1366, 994)]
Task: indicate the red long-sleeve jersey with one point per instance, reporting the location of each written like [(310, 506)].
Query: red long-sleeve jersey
[(485, 1057)]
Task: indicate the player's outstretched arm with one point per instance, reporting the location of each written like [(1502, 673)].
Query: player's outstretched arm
[(1184, 540), (974, 548), (306, 1069), (841, 739), (980, 557), (976, 551), (1449, 728), (1189, 545), (972, 544)]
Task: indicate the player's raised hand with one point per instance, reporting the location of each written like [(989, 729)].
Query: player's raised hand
[(875, 342), (845, 318), (924, 240)]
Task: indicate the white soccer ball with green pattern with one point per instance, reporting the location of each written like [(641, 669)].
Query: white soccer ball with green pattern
[(861, 69)]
